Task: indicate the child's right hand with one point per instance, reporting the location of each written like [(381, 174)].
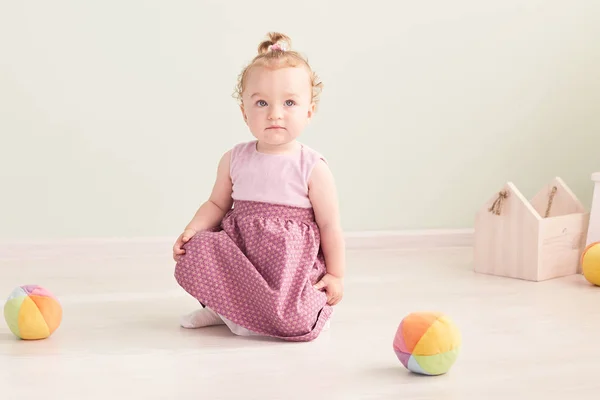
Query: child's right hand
[(181, 240)]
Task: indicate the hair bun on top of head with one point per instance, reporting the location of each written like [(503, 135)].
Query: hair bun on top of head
[(276, 51), (276, 42)]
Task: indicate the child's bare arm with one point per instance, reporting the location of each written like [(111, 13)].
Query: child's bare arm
[(324, 199), (213, 210), (219, 203)]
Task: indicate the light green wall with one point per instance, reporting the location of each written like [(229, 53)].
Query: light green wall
[(113, 115)]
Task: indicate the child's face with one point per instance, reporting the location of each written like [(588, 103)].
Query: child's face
[(277, 103)]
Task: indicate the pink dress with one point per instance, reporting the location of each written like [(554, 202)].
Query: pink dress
[(258, 268)]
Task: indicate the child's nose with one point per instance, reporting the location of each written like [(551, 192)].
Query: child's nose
[(275, 112)]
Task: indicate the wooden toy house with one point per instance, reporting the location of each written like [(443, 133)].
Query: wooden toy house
[(535, 241)]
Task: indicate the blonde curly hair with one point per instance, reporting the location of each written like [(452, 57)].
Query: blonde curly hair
[(275, 52)]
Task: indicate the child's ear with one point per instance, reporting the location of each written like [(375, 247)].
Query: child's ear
[(243, 113), (311, 111)]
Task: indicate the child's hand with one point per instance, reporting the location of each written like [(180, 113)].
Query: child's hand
[(334, 287), (181, 240)]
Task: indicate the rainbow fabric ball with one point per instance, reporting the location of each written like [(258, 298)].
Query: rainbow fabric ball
[(32, 312), (427, 343), (590, 263)]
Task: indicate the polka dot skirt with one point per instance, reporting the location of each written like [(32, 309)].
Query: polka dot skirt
[(258, 270)]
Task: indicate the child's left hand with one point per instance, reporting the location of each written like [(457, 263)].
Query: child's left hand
[(334, 287)]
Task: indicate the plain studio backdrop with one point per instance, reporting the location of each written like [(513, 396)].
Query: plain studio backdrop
[(114, 114)]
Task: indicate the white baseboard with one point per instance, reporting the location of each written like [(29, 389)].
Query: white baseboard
[(415, 239), (160, 246), (85, 248)]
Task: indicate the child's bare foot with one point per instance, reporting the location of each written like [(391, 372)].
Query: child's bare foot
[(201, 318)]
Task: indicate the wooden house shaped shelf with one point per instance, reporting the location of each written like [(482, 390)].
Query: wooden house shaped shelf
[(535, 241)]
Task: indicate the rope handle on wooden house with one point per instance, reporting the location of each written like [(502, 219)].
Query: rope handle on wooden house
[(552, 193), (496, 207)]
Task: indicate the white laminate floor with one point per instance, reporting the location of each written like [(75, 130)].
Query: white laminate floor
[(120, 338)]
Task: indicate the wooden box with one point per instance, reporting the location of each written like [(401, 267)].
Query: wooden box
[(535, 241)]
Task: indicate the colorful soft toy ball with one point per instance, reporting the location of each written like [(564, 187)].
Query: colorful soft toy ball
[(32, 312), (590, 263), (427, 343)]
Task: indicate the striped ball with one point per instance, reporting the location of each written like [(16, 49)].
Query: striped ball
[(427, 343), (32, 312)]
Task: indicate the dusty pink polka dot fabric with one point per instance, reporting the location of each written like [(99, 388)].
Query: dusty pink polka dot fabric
[(258, 270)]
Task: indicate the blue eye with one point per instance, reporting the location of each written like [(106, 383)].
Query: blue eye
[(261, 103), (290, 103)]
